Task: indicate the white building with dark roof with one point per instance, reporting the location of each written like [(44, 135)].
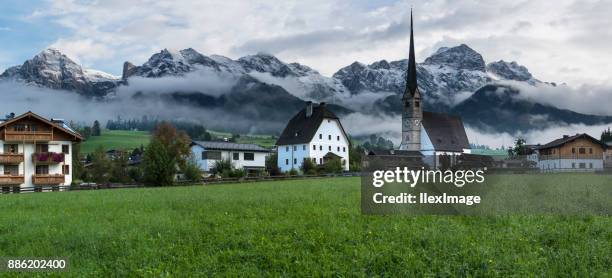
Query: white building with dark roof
[(35, 152), (249, 157), (314, 133)]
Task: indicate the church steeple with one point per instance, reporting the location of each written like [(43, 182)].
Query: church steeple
[(412, 112), (411, 74)]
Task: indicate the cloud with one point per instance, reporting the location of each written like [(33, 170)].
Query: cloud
[(593, 99)]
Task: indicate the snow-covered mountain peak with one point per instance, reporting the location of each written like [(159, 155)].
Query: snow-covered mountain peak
[(459, 57), (509, 70)]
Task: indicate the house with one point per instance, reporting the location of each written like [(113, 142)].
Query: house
[(313, 133), (580, 152), (35, 152), (249, 157), (439, 137)]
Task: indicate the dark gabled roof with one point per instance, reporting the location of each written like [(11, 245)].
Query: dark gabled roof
[(567, 139), (302, 129), (446, 132), (229, 146)]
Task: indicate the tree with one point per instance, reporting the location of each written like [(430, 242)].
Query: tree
[(333, 165), (308, 167), (77, 166), (192, 170), (355, 157), (119, 169), (272, 165), (100, 166), (176, 141), (95, 129), (606, 136), (159, 164), (519, 147)]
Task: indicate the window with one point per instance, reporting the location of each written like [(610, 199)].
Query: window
[(591, 165), (249, 156), (42, 169), (236, 156), (314, 160), (287, 148), (320, 147), (42, 148), (338, 149), (294, 148), (320, 160), (581, 151), (343, 149), (417, 104), (11, 148), (320, 136), (295, 161), (582, 165), (329, 148), (303, 147), (213, 155), (66, 170), (573, 150), (286, 161), (338, 137), (573, 165), (314, 147), (590, 150), (66, 149), (329, 137), (203, 155), (11, 170)]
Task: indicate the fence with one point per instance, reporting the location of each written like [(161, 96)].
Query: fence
[(18, 189)]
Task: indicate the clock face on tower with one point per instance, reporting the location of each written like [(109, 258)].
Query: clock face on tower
[(412, 122)]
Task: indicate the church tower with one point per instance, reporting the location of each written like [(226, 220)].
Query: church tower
[(412, 113)]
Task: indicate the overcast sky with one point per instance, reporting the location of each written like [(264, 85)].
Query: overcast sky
[(560, 41)]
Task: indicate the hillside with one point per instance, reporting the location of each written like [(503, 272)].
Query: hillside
[(117, 140)]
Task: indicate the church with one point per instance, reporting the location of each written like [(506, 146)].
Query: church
[(437, 136)]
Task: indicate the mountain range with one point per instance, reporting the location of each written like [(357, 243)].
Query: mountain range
[(263, 88)]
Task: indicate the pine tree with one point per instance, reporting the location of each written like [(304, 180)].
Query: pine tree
[(95, 129)]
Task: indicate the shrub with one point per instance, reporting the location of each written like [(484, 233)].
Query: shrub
[(292, 172), (333, 166), (308, 167), (192, 170)]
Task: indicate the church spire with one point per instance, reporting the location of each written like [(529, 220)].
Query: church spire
[(411, 74)]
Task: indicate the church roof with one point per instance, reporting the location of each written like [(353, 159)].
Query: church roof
[(445, 131), (302, 129)]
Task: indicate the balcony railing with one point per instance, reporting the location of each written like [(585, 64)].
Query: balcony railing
[(48, 158), (48, 179), (29, 136), (11, 180), (11, 158), (570, 156)]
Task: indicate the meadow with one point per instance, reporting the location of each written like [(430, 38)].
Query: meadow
[(289, 227), (116, 139)]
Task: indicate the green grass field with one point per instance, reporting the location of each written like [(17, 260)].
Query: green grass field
[(287, 227), (262, 140), (116, 139)]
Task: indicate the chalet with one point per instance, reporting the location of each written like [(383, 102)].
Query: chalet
[(35, 152), (580, 152), (249, 157), (314, 133), (439, 137)]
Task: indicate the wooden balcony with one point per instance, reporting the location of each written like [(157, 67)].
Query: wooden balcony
[(48, 158), (11, 180), (27, 136), (11, 158), (48, 179), (572, 156)]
